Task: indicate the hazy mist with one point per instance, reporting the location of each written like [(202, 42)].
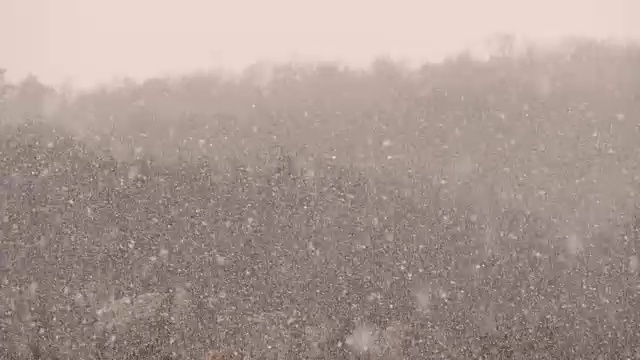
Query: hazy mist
[(89, 41)]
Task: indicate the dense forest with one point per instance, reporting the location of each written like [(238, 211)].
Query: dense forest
[(468, 209)]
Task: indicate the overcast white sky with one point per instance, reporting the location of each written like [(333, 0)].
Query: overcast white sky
[(89, 41)]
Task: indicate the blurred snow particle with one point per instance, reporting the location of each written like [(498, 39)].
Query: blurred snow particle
[(4, 261), (32, 289), (125, 310), (133, 172), (423, 299), (620, 116), (314, 336), (79, 300), (443, 294), (362, 339), (181, 297), (393, 338), (574, 244), (386, 143), (633, 263), (463, 166), (543, 86), (374, 296)]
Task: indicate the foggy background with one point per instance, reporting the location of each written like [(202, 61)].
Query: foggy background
[(89, 41), (426, 202)]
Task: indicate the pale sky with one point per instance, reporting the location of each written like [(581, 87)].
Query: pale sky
[(89, 41)]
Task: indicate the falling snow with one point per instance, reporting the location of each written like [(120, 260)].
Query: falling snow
[(463, 210)]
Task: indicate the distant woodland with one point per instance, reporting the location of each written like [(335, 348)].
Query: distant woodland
[(559, 122)]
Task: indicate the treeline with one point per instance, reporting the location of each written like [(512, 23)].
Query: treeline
[(554, 126)]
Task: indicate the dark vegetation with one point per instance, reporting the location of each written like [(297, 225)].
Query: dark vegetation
[(479, 209)]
